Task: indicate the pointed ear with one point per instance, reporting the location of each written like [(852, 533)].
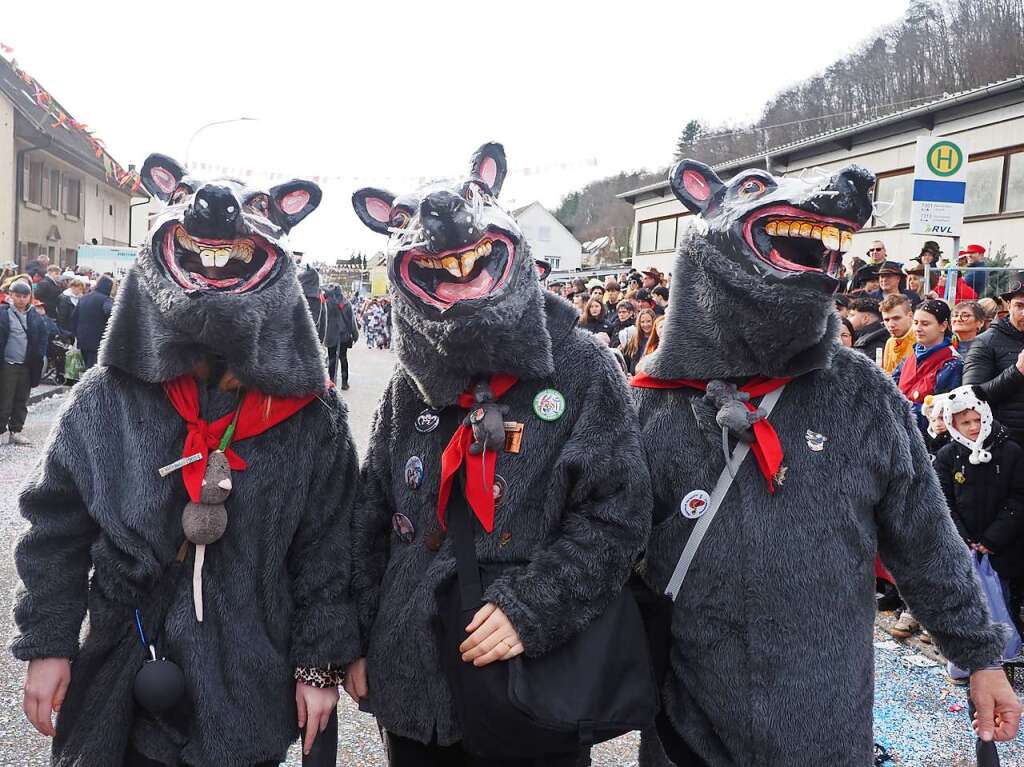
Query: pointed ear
[(373, 206), (543, 269), (488, 165), (695, 184), (292, 201), (160, 175)]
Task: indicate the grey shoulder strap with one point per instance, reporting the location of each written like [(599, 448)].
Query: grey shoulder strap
[(725, 479)]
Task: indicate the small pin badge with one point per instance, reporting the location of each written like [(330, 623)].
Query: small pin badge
[(695, 504), (815, 441), (179, 464), (960, 478), (427, 421), (505, 538), (403, 528), (549, 405), (414, 472), (499, 489), (513, 437)]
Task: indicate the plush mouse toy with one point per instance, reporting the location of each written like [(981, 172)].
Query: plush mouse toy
[(487, 419), (206, 521)]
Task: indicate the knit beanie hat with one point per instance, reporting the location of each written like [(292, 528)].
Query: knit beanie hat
[(959, 400)]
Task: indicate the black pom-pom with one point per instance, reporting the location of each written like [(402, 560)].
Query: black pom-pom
[(159, 686), (979, 393)]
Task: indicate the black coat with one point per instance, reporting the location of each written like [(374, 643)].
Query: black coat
[(595, 326), (992, 365), (987, 499), (871, 338), (37, 339), (48, 291), (89, 319), (65, 311), (341, 324)]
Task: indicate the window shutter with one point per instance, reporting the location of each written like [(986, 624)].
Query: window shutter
[(26, 178)]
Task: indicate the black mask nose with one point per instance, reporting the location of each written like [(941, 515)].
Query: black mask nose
[(213, 213), (447, 222), (855, 178)]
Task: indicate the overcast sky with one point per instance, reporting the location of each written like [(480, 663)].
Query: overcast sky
[(383, 93)]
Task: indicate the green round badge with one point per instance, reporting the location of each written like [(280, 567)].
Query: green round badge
[(944, 158), (549, 405)]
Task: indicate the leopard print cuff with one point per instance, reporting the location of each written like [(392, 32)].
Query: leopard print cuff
[(324, 678)]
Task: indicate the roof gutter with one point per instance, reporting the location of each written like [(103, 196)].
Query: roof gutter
[(19, 187)]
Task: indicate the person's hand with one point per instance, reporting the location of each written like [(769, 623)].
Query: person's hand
[(997, 709), (356, 684), (491, 637), (315, 708), (1020, 362), (46, 683)]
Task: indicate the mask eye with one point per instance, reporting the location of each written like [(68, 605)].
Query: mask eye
[(259, 204), (752, 187), (400, 218), (471, 191), (181, 194)]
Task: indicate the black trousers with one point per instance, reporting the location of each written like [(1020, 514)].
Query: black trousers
[(337, 356), (134, 759), (14, 391), (403, 752)]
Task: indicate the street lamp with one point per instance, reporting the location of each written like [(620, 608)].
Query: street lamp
[(201, 128)]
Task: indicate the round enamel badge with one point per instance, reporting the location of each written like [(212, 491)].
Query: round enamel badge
[(549, 405), (695, 504), (427, 421), (414, 472)]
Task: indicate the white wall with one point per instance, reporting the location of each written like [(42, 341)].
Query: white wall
[(549, 240), (8, 179)]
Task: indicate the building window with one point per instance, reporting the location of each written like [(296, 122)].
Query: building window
[(54, 190), (1015, 183), (984, 179), (648, 236), (70, 258), (893, 195), (72, 196), (35, 183), (667, 233)]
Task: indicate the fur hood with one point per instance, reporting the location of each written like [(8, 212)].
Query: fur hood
[(723, 322), (513, 336), (158, 332)]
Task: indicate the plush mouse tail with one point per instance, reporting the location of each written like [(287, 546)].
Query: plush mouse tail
[(197, 580)]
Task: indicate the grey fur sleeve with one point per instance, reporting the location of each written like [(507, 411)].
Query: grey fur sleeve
[(920, 546), (324, 629), (372, 519), (53, 555), (604, 526)]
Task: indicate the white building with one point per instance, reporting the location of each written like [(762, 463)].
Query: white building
[(987, 121), (549, 240), (56, 192)]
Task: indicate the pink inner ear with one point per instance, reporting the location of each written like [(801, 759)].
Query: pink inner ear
[(163, 178), (489, 171), (378, 209), (696, 185), (293, 202)]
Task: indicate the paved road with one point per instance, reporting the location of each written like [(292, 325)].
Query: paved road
[(912, 711)]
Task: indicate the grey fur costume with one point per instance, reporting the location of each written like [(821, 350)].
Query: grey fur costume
[(577, 507), (771, 661), (276, 584)]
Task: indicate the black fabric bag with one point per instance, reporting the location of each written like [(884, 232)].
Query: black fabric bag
[(594, 687)]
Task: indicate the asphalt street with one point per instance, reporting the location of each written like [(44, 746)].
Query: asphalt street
[(918, 716)]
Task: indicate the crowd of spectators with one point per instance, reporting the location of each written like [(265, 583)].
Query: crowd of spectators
[(625, 312), (44, 312), (968, 341)]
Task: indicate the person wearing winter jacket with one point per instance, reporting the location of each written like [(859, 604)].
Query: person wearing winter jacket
[(593, 318), (982, 476), (340, 332), (935, 367), (67, 304), (996, 364), (89, 319)]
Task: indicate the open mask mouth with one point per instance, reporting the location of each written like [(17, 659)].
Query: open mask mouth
[(227, 266), (444, 279), (792, 240)]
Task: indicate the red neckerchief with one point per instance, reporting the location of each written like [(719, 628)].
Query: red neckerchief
[(479, 468), (258, 413), (766, 448)]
